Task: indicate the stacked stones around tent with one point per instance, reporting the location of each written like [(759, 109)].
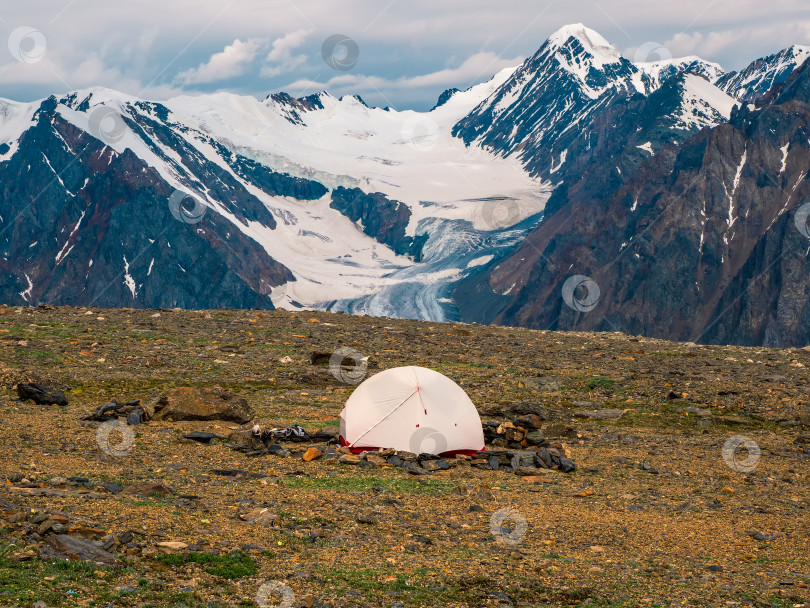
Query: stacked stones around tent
[(523, 433), (528, 448), (521, 462), (517, 446)]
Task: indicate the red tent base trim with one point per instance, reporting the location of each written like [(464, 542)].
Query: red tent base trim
[(360, 450)]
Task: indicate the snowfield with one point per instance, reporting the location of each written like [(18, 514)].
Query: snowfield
[(461, 196)]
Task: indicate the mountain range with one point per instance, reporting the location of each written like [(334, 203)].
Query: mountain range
[(671, 193)]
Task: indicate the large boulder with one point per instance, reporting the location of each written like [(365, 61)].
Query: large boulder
[(186, 403), (244, 440), (42, 395)]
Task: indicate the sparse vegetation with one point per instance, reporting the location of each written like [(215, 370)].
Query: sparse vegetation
[(651, 507)]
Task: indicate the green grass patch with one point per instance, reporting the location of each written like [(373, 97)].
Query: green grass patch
[(589, 383), (21, 583), (137, 503), (416, 589), (225, 566), (38, 355)]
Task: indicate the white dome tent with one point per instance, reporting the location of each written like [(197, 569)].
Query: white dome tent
[(413, 409)]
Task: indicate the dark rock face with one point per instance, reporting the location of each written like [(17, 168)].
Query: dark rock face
[(380, 217), (700, 243), (84, 225), (621, 138), (274, 183), (293, 108), (444, 98)]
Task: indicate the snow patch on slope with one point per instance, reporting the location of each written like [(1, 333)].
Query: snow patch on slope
[(25, 294), (15, 119), (128, 280), (704, 105)]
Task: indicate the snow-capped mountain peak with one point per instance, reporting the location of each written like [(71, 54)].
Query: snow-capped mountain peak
[(659, 71), (543, 106), (800, 52), (761, 75), (575, 40), (595, 64)]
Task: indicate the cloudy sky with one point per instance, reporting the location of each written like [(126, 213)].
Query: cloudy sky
[(401, 53)]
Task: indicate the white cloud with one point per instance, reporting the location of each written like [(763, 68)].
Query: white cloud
[(761, 40), (154, 47), (283, 47), (228, 63), (474, 70), (280, 59)]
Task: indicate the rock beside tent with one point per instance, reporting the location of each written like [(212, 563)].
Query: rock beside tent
[(523, 433), (187, 403)]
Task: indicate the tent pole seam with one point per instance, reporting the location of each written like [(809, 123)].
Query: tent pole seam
[(381, 420)]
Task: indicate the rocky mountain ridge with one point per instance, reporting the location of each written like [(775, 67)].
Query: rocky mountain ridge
[(705, 241), (325, 203)]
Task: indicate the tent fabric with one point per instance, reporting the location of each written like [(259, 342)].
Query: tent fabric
[(413, 409)]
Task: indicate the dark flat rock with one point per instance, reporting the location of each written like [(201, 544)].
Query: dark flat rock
[(74, 548), (42, 395), (202, 437), (236, 473)]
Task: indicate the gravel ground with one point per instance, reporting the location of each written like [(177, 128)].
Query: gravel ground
[(653, 516)]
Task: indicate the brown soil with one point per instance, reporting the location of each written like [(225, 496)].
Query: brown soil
[(653, 516)]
